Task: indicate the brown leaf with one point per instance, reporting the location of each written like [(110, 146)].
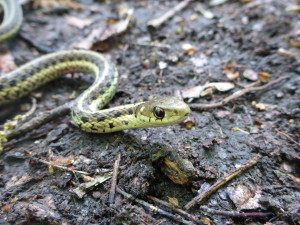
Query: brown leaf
[(230, 71), (6, 208), (62, 161), (264, 77)]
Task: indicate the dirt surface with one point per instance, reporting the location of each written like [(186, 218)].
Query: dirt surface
[(261, 36)]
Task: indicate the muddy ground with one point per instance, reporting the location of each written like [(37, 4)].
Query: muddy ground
[(261, 36)]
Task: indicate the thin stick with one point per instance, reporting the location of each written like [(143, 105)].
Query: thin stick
[(40, 120), (154, 45), (153, 208), (236, 214), (156, 23), (170, 206), (112, 190), (236, 95), (57, 166), (32, 109), (221, 182), (287, 136)]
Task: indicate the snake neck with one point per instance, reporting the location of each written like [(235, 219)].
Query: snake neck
[(107, 120)]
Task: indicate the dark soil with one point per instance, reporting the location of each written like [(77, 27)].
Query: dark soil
[(249, 34)]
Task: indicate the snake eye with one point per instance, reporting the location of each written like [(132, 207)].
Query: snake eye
[(158, 113), (171, 157)]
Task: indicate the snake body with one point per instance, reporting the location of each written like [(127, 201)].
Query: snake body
[(86, 112), (12, 19)]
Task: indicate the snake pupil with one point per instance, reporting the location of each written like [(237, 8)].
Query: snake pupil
[(158, 113)]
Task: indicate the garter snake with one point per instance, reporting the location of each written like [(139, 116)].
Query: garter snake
[(86, 112)]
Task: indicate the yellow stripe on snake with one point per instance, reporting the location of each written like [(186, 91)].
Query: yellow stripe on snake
[(86, 112)]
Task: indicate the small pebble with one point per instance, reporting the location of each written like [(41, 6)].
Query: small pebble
[(279, 95)]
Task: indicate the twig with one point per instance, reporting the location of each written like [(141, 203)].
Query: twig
[(287, 136), (40, 120), (236, 95), (236, 214), (32, 109), (221, 182), (170, 206), (154, 45), (155, 23), (112, 190), (152, 207), (57, 166)]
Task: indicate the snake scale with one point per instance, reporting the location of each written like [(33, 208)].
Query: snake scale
[(87, 111)]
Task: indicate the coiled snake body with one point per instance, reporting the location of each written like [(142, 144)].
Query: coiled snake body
[(86, 112)]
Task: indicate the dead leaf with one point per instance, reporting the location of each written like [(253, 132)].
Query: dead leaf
[(14, 200), (222, 114), (173, 201), (113, 29), (62, 161), (230, 71), (118, 27), (206, 221), (244, 198), (37, 211), (222, 86), (231, 75), (6, 208), (189, 122), (17, 181), (206, 92), (195, 92), (250, 75), (77, 22), (264, 77), (87, 42), (82, 189), (284, 52), (260, 106), (295, 43)]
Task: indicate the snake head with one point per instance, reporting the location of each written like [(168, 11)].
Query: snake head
[(162, 112)]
